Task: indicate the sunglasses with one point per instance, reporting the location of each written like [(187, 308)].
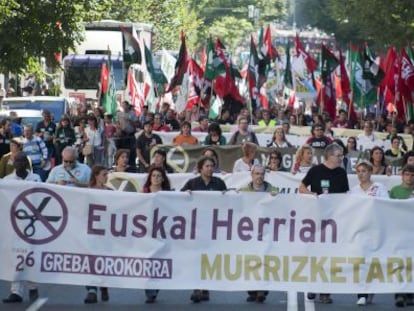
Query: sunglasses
[(68, 161)]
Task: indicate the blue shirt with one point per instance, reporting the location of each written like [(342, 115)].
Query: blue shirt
[(80, 171)]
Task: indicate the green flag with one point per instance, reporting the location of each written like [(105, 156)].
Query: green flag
[(109, 98), (371, 70), (215, 65), (155, 71), (363, 91)]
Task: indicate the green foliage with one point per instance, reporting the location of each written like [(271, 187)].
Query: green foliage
[(32, 29), (375, 21)]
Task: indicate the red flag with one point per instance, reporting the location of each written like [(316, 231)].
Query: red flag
[(104, 78), (311, 63), (180, 65), (196, 79), (346, 88), (390, 83), (267, 48), (136, 96), (407, 73)]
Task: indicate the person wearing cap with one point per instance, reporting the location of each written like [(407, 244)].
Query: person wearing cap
[(367, 187), (65, 136), (144, 143), (21, 173)]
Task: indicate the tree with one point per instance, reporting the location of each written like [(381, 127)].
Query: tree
[(33, 29), (375, 21)]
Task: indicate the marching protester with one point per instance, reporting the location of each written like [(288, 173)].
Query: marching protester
[(377, 159), (274, 161), (248, 159), (206, 182), (243, 134), (22, 173), (185, 137), (279, 139), (122, 162), (159, 159), (318, 140), (7, 160), (215, 135), (328, 177), (157, 180), (258, 184), (64, 136), (98, 180), (367, 187), (210, 152), (94, 148), (35, 148), (402, 192), (304, 160), (70, 172), (145, 141)]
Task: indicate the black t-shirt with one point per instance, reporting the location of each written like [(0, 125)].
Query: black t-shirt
[(322, 179), (197, 183), (144, 142)]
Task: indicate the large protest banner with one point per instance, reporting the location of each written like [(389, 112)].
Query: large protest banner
[(211, 240)]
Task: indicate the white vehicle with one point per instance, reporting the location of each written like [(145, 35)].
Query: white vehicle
[(58, 106), (82, 69), (27, 116)]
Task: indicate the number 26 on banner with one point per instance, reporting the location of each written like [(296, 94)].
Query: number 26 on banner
[(25, 260)]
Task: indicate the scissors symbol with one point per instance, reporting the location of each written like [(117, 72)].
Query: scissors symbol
[(30, 229)]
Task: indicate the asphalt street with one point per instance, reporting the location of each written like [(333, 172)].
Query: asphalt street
[(67, 297)]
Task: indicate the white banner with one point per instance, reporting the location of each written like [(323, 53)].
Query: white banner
[(210, 240), (285, 181)]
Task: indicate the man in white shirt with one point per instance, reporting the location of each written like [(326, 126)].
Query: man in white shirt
[(21, 163)]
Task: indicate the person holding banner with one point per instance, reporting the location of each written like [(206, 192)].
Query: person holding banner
[(20, 164), (99, 178), (205, 182), (157, 180), (404, 191), (367, 187), (258, 184), (325, 178), (304, 160), (245, 163)]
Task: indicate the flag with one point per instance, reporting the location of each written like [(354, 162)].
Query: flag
[(311, 63), (287, 79), (109, 97), (407, 72), (215, 65), (180, 65), (267, 50), (155, 71), (216, 105), (346, 88), (329, 63), (390, 82), (132, 47), (104, 78), (364, 92), (203, 58), (371, 70), (195, 83), (136, 97), (252, 73)]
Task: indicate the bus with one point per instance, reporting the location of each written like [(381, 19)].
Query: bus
[(82, 68)]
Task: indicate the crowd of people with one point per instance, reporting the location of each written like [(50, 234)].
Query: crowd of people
[(82, 149)]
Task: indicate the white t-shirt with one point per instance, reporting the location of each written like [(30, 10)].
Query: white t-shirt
[(30, 177), (241, 166), (376, 190)]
